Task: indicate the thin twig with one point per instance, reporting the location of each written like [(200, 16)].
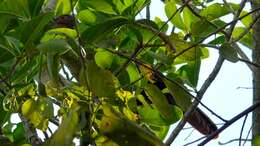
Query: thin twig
[(233, 140), (249, 62), (211, 111), (230, 122), (242, 55), (242, 129), (192, 142), (248, 133)]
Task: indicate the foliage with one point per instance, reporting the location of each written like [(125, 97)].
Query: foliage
[(99, 65)]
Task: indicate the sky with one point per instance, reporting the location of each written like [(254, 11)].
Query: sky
[(225, 97)]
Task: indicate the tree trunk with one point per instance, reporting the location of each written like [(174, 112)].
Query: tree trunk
[(256, 71)]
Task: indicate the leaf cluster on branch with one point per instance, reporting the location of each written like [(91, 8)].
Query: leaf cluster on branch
[(105, 76)]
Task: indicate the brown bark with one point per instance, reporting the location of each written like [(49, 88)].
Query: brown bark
[(256, 71)]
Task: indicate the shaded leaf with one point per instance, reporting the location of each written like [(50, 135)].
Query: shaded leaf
[(228, 52), (56, 46), (125, 132), (160, 131), (98, 32), (101, 82), (181, 97), (53, 66), (65, 133)]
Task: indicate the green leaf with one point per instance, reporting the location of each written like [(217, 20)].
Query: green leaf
[(160, 24), (53, 65), (160, 131), (63, 7), (215, 11), (180, 45), (134, 74), (101, 82), (153, 117), (219, 40), (201, 28), (247, 20), (65, 133), (105, 6), (19, 132), (246, 40), (87, 16), (3, 114), (25, 71), (38, 112), (170, 10), (181, 97), (35, 7), (56, 46), (189, 18), (256, 141), (228, 52), (190, 72), (104, 59), (159, 100), (100, 31), (36, 27), (19, 7), (125, 132), (6, 17)]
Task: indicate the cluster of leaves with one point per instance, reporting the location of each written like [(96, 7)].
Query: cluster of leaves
[(96, 71)]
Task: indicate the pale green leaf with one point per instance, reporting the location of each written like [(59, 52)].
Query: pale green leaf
[(246, 40), (171, 10), (215, 11), (159, 100)]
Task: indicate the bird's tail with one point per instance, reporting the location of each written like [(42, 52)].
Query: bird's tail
[(201, 122)]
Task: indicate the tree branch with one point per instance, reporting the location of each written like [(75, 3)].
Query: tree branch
[(230, 122)]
